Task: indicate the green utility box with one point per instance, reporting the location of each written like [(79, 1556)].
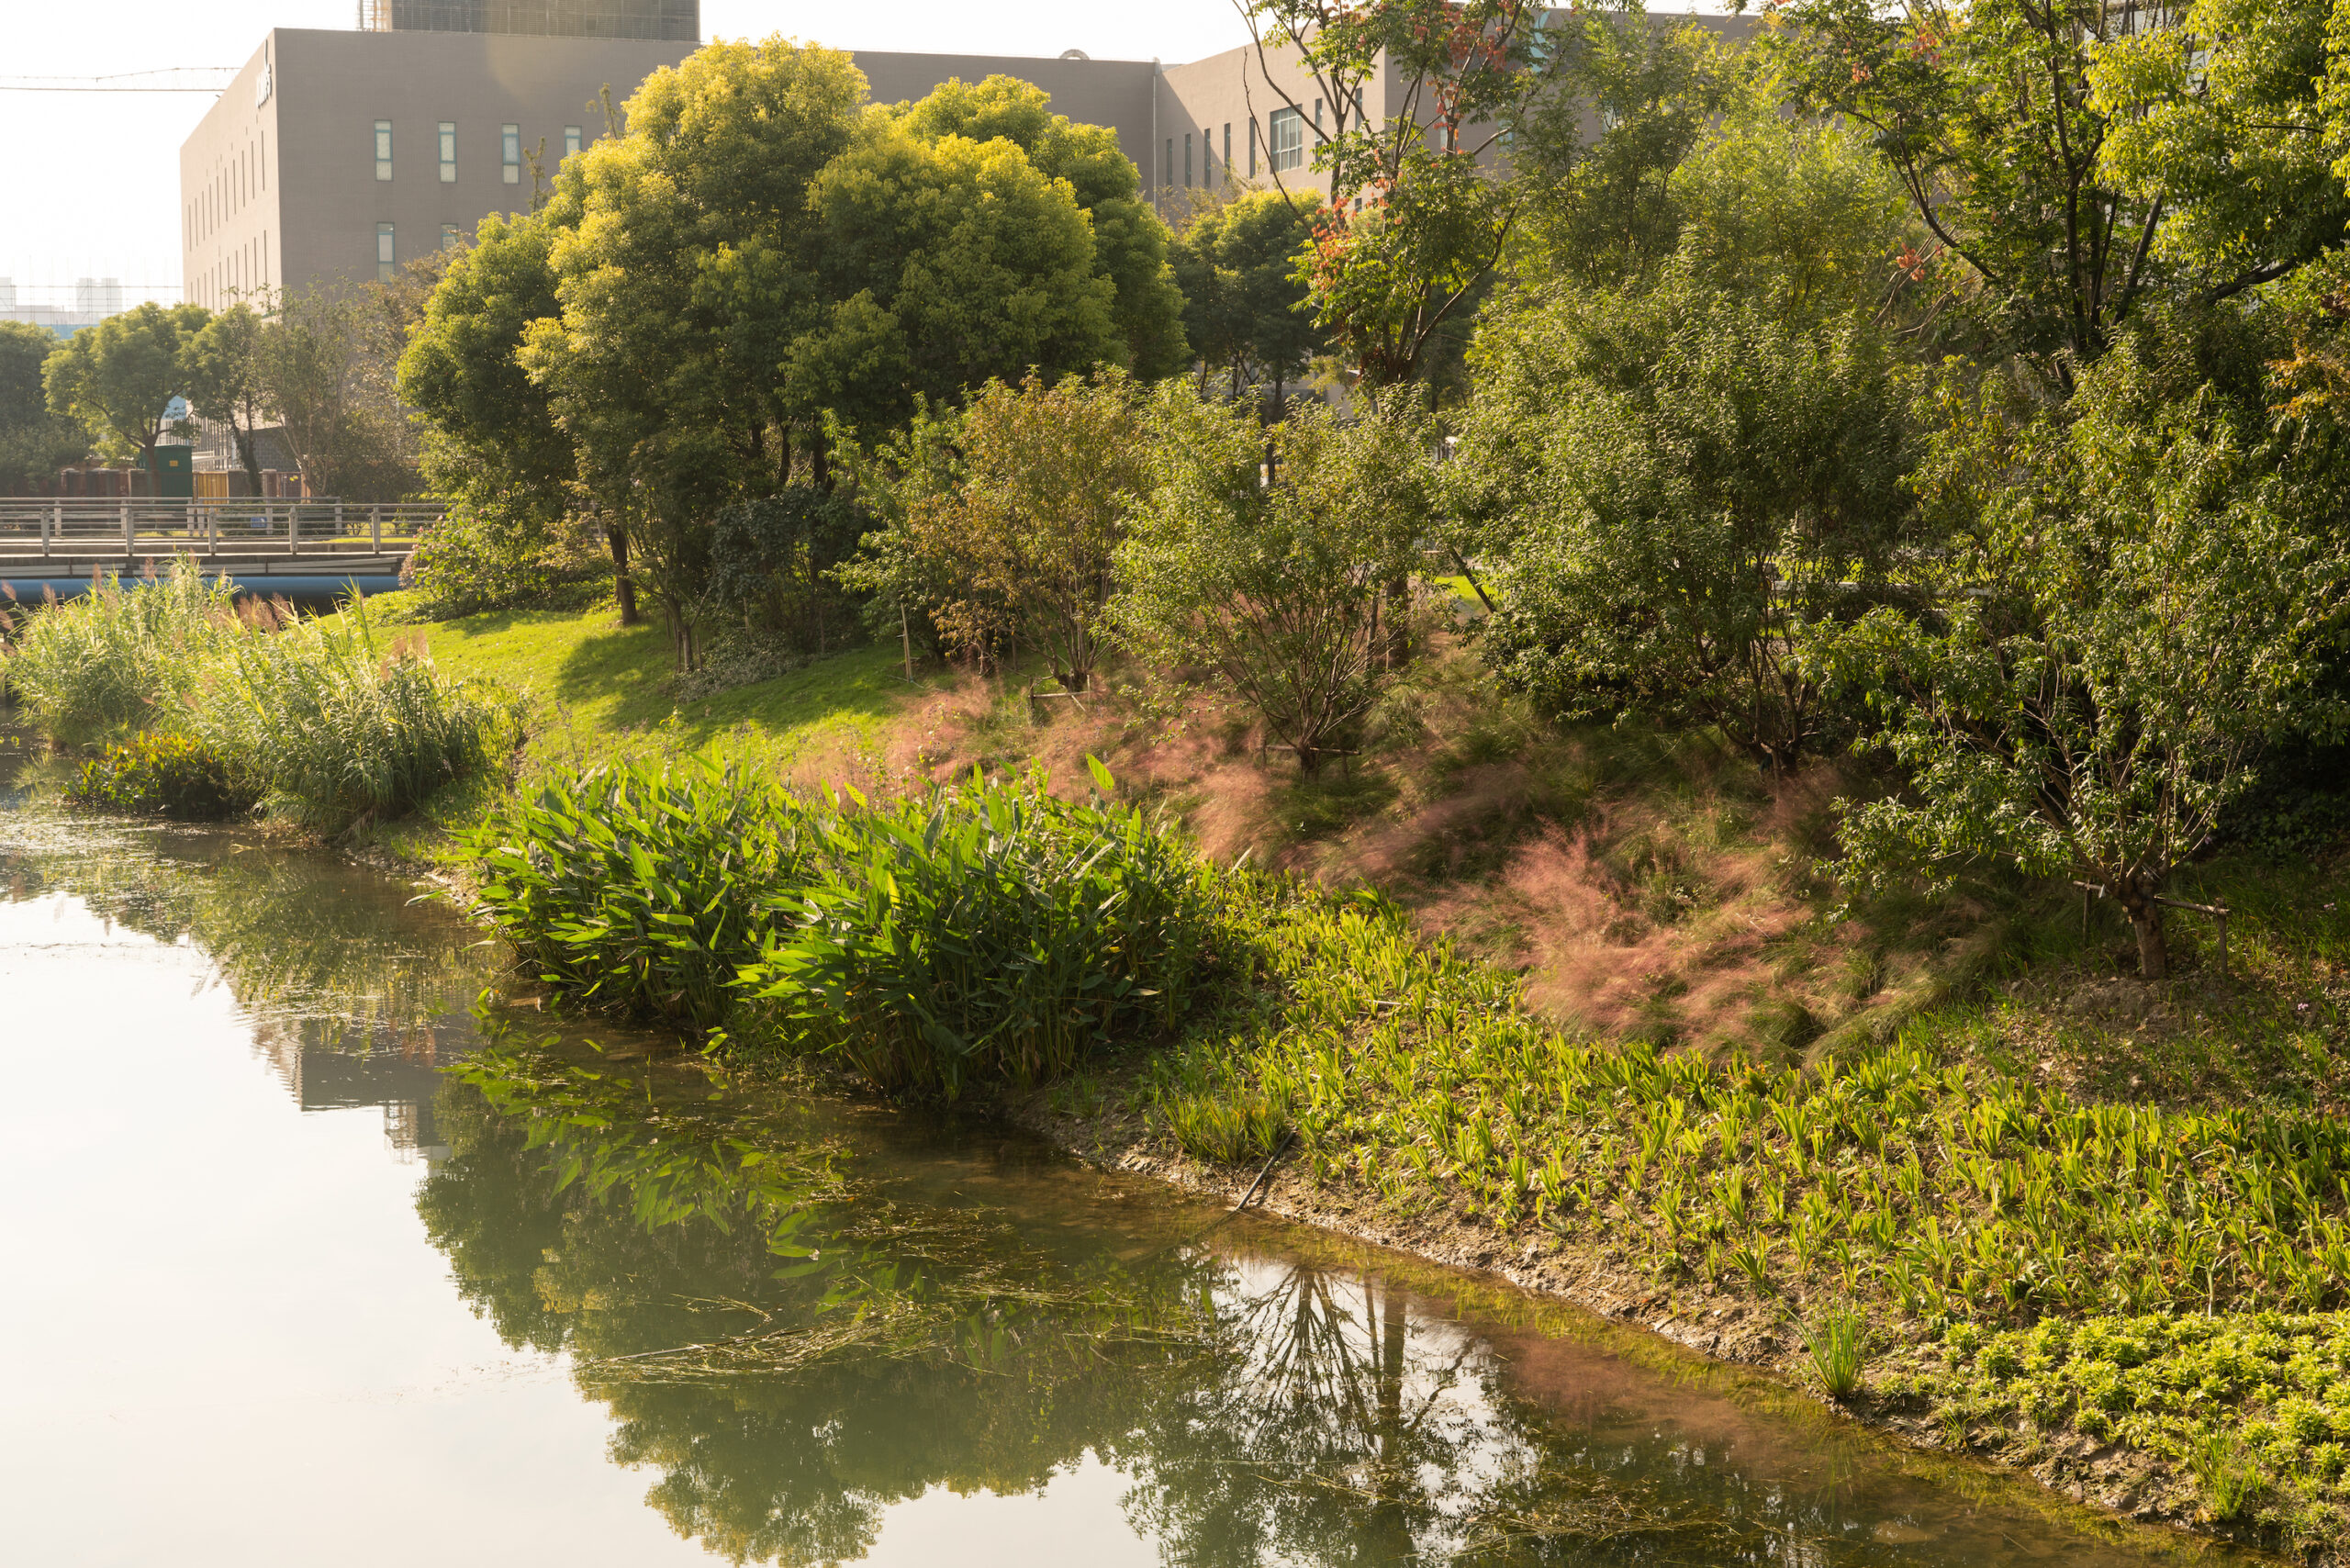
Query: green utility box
[(176, 472)]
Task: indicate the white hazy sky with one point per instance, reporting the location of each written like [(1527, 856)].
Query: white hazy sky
[(92, 181)]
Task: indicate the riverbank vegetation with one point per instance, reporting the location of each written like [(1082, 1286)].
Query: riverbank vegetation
[(1787, 749), (197, 703)]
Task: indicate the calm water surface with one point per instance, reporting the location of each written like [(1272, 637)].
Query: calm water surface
[(313, 1261)]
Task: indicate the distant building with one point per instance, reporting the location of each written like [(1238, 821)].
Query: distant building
[(340, 156), (95, 299)]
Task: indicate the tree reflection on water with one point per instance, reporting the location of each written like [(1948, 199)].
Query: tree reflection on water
[(794, 1337)]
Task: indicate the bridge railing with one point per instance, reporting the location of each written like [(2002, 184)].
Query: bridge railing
[(94, 529)]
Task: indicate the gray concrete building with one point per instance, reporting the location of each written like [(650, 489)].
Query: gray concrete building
[(340, 156)]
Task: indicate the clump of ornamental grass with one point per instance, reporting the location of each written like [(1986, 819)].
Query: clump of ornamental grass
[(986, 931), (120, 655), (1836, 1347), (333, 725)]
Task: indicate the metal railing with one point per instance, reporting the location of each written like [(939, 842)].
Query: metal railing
[(102, 529)]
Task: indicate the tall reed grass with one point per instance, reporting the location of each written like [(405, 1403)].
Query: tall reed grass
[(119, 658), (989, 930), (333, 725), (325, 722)]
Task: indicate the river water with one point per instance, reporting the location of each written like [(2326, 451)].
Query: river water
[(316, 1258)]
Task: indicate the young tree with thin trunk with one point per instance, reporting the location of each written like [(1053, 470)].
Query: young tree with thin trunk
[(224, 381), (2137, 597), (1420, 204), (1281, 589)]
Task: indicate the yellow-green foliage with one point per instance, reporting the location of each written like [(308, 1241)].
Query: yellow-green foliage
[(2254, 1408), (1931, 1186)]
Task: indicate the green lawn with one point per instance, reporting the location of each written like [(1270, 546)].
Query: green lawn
[(593, 692)]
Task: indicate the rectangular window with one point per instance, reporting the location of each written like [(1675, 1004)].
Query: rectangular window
[(383, 149), (1288, 147), (570, 140), (1187, 157), (1168, 174), (384, 253), (449, 235), (509, 153), (448, 152), (1252, 147), (1227, 149), (1317, 117)]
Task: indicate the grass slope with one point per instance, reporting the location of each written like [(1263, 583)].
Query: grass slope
[(595, 691)]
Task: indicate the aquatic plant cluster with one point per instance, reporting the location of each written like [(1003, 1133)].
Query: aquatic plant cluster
[(989, 930), (207, 705)]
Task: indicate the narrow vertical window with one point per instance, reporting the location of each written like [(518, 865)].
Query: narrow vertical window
[(1317, 116), (384, 253), (570, 140), (383, 149), (509, 153), (1252, 147), (448, 152), (1228, 150), (449, 236), (1187, 157), (1169, 173)]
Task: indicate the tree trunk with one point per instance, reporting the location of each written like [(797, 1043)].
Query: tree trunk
[(1396, 650), (2146, 923), (624, 585), (247, 456), (820, 464)]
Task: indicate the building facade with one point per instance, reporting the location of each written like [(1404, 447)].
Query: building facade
[(336, 156)]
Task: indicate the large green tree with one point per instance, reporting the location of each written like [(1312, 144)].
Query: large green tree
[(118, 377), (2073, 160), (1246, 309), (1130, 244), (684, 262), (2136, 594), (224, 381), (490, 444), (34, 441), (948, 261)]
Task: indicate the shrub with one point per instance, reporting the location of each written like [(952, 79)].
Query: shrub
[(169, 775), (332, 728), (639, 890), (112, 657), (1279, 588), (490, 558), (771, 568), (990, 930)]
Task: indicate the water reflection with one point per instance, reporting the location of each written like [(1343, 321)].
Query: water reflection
[(799, 1326), (356, 997)]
